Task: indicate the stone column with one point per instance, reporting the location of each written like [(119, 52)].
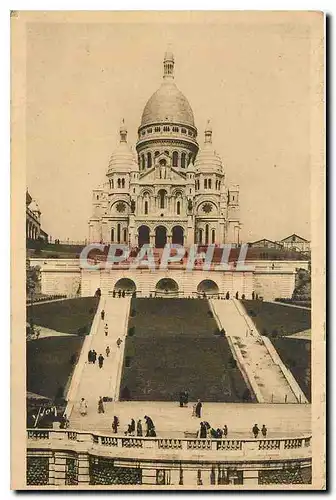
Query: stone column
[(189, 477), (59, 468), (175, 477), (250, 477), (152, 238), (83, 469)]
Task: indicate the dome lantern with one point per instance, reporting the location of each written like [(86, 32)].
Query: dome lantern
[(208, 133), (123, 132), (168, 65)]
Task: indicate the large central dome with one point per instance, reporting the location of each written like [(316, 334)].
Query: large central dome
[(168, 104)]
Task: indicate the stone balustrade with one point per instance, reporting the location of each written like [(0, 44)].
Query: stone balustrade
[(243, 447)]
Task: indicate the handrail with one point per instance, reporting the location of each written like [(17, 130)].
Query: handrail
[(121, 354)]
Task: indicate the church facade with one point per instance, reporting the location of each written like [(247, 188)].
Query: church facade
[(172, 190)]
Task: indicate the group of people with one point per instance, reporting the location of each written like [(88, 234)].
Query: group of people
[(136, 428), (92, 358), (197, 407), (83, 406), (206, 431), (256, 430)]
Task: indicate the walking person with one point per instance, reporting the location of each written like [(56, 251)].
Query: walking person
[(101, 405), (139, 428), (90, 356), (115, 424), (149, 425), (194, 410), (264, 430), (101, 360), (94, 356), (255, 430), (181, 399), (108, 350), (225, 431), (106, 329), (102, 315), (119, 341), (131, 427), (198, 408), (203, 431), (83, 407)]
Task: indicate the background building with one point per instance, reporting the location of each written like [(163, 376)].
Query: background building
[(33, 220), (171, 190)]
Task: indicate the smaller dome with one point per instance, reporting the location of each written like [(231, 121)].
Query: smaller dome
[(208, 160), (122, 159)]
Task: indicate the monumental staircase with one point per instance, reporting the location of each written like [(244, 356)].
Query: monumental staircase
[(262, 368)]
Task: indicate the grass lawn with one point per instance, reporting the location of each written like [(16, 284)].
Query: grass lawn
[(296, 355), (174, 348), (50, 363), (50, 360), (274, 319), (66, 316)]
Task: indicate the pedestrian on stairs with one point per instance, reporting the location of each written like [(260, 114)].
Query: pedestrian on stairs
[(101, 405), (90, 356), (101, 360), (119, 341), (106, 329), (108, 350), (83, 407), (102, 315), (264, 430), (94, 356)]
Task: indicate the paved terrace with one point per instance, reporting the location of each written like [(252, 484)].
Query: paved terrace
[(170, 420)]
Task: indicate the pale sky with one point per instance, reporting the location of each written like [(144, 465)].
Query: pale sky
[(252, 82)]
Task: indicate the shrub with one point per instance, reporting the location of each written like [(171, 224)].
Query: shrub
[(131, 331)]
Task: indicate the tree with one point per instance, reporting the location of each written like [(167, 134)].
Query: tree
[(32, 285)]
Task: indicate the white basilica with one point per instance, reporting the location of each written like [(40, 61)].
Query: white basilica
[(174, 191)]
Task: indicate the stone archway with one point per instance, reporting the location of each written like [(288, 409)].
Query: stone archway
[(166, 287), (209, 287), (143, 235), (160, 236), (178, 235), (125, 284)]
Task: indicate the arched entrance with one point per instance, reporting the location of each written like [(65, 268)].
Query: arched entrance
[(178, 235), (125, 284), (160, 236), (166, 287), (208, 287), (143, 235)]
